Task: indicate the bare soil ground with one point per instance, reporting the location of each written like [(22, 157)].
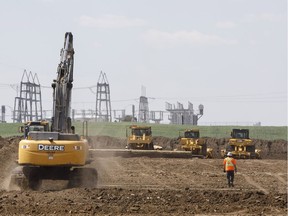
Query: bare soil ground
[(157, 186)]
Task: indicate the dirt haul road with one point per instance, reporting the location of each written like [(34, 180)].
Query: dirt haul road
[(154, 186)]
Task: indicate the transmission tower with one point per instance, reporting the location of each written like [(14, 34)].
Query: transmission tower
[(143, 107), (28, 106), (103, 102)]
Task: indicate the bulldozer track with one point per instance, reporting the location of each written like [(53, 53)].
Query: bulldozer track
[(278, 177)]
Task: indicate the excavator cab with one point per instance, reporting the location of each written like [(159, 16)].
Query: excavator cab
[(39, 126)]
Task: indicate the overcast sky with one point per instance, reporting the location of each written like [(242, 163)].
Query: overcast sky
[(229, 55)]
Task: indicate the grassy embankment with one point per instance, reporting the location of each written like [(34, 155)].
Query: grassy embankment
[(166, 130)]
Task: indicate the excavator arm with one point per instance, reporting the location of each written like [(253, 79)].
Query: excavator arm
[(62, 88)]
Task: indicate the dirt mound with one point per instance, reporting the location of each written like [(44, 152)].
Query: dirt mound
[(272, 149), (106, 142), (3, 142), (8, 157)]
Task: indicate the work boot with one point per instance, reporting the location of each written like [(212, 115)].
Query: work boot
[(232, 184), (229, 184)]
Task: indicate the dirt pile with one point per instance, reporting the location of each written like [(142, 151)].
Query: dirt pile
[(8, 157), (107, 142)]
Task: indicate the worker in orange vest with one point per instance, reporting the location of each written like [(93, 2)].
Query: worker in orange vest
[(230, 167)]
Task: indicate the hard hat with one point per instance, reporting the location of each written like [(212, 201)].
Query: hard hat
[(229, 154)]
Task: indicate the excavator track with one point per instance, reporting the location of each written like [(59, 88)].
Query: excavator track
[(83, 177), (24, 179), (30, 178)]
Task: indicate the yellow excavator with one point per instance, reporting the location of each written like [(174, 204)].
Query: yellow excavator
[(56, 152), (190, 140), (241, 146)]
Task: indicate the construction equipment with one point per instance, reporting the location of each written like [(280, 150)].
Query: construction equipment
[(55, 153), (241, 146), (190, 140), (139, 137)]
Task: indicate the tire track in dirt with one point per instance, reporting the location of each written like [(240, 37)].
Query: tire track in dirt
[(264, 162), (206, 163), (277, 176), (159, 182), (255, 184), (282, 181)]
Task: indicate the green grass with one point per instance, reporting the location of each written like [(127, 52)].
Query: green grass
[(166, 130), (9, 129)]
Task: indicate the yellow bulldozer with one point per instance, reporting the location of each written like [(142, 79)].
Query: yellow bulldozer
[(190, 140), (241, 146), (139, 137)]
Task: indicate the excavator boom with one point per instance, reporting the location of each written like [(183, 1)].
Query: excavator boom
[(62, 88)]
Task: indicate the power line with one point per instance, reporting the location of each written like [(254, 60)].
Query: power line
[(256, 97)]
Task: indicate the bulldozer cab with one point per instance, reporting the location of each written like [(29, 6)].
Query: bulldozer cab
[(141, 131), (192, 134), (240, 134), (139, 137), (138, 131)]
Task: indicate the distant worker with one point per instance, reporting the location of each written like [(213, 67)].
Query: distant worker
[(230, 167)]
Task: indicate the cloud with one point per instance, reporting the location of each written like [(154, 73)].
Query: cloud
[(110, 21), (225, 25), (264, 17), (169, 39)]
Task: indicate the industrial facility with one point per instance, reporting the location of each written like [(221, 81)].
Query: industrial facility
[(28, 106)]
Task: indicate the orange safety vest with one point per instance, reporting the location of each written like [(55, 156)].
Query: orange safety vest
[(229, 164)]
